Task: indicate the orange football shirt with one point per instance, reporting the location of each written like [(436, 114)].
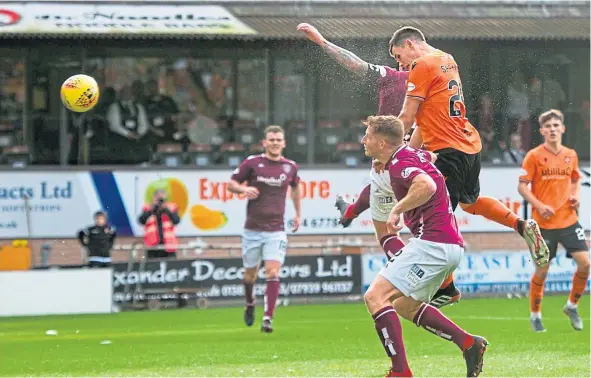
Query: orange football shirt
[(434, 78), (551, 176)]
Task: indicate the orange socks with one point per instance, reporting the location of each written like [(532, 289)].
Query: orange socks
[(495, 210), (579, 284), (536, 293)]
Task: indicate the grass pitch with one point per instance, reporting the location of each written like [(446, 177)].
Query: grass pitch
[(309, 340)]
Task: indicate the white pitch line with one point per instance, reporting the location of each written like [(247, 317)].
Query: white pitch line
[(502, 318)]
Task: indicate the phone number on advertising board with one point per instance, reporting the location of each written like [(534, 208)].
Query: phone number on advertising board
[(316, 222)]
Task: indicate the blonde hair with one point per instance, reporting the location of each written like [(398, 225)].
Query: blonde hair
[(390, 127)]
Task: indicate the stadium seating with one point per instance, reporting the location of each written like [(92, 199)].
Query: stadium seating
[(297, 141), (351, 154), (232, 154), (256, 148), (356, 131), (16, 156), (6, 134), (246, 132), (328, 136), (170, 154), (200, 154)]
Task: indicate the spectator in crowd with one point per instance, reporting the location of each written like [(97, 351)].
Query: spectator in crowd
[(162, 112), (128, 119), (497, 150), (515, 153), (518, 109), (159, 219), (98, 240)]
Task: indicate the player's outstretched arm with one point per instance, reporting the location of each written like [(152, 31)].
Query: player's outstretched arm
[(344, 57)]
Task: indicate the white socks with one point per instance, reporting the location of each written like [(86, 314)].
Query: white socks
[(570, 305), (535, 315)]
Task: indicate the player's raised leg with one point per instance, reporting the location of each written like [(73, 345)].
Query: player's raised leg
[(495, 210), (447, 294), (472, 202), (578, 288), (378, 301), (350, 211)]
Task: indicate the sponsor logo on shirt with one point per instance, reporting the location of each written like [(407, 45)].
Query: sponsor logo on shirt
[(272, 181)]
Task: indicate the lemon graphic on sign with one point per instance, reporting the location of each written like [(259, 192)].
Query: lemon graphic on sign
[(207, 219), (176, 190)]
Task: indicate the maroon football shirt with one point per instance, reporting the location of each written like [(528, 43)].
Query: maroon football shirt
[(271, 178)]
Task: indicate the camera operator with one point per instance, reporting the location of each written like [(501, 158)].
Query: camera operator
[(98, 240), (159, 219)]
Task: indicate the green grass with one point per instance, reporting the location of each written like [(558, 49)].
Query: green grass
[(310, 340)]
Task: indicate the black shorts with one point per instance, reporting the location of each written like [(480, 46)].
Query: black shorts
[(572, 238), (461, 172)]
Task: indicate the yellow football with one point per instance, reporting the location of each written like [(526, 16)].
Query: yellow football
[(79, 93)]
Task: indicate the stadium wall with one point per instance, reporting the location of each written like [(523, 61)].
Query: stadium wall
[(48, 208), (50, 205)]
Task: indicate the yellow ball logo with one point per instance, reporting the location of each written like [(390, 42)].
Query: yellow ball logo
[(79, 93)]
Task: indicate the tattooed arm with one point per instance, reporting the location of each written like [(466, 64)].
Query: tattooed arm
[(344, 57)]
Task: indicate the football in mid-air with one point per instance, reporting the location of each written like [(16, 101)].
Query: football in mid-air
[(79, 93)]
